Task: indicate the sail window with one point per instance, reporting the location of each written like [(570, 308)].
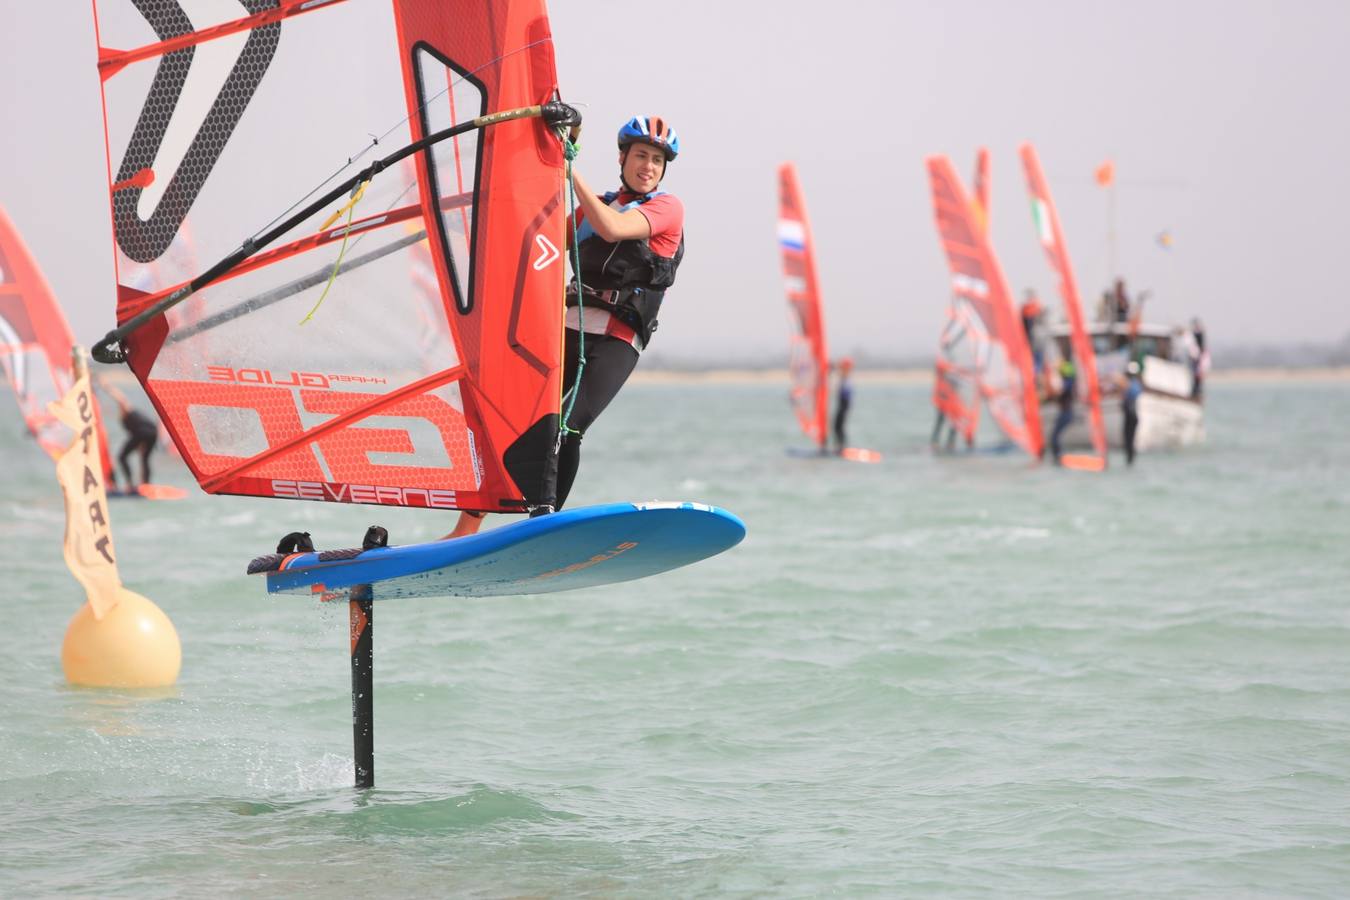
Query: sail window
[(448, 96)]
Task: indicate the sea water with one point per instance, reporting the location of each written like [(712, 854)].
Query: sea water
[(958, 676)]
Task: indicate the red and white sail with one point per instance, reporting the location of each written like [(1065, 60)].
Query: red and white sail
[(982, 302), (224, 118), (808, 357), (963, 346), (35, 340), (36, 345), (1051, 236)]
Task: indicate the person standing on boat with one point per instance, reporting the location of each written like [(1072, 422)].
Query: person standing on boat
[(630, 242), (1122, 302), (843, 400), (1129, 404), (1068, 377)]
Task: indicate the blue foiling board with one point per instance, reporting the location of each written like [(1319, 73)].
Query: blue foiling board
[(562, 551)]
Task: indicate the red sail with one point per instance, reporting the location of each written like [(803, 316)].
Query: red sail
[(1051, 236), (305, 372), (808, 360), (35, 344), (980, 295)]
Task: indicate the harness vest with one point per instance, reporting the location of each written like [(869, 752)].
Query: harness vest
[(626, 278)]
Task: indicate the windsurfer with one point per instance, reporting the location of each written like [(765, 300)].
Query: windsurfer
[(629, 243), (1068, 377), (142, 435), (843, 400)]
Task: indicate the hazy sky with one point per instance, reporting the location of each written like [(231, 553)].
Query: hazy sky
[(1226, 122)]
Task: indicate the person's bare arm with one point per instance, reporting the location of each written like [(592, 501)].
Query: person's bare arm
[(121, 399), (610, 224)]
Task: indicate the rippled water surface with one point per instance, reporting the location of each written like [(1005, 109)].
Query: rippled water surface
[(950, 676)]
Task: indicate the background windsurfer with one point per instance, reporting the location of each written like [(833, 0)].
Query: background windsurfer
[(843, 399), (142, 435), (629, 243), (1068, 377)]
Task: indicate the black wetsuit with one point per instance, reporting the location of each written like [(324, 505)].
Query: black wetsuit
[(142, 435), (1130, 406), (1065, 418), (842, 402), (609, 362)]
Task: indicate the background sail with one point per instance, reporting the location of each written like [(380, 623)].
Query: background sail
[(35, 345), (1051, 236), (963, 347), (1006, 379), (222, 126), (808, 358), (35, 341)]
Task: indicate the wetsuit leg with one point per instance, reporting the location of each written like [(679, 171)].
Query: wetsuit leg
[(142, 435), (124, 461), (1063, 422), (1131, 426), (839, 418), (937, 429), (139, 444), (609, 362), (145, 435), (146, 447)]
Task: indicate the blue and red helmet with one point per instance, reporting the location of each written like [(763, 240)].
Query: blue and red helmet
[(650, 130)]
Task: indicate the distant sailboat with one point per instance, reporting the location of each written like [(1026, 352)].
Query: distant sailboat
[(808, 354), (984, 354), (1051, 236)]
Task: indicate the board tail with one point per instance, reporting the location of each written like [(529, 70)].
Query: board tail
[(1083, 462)]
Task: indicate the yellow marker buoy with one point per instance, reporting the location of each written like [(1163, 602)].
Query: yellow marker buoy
[(118, 638), (134, 645)]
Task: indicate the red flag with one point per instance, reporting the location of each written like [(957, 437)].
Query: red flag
[(1106, 173)]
